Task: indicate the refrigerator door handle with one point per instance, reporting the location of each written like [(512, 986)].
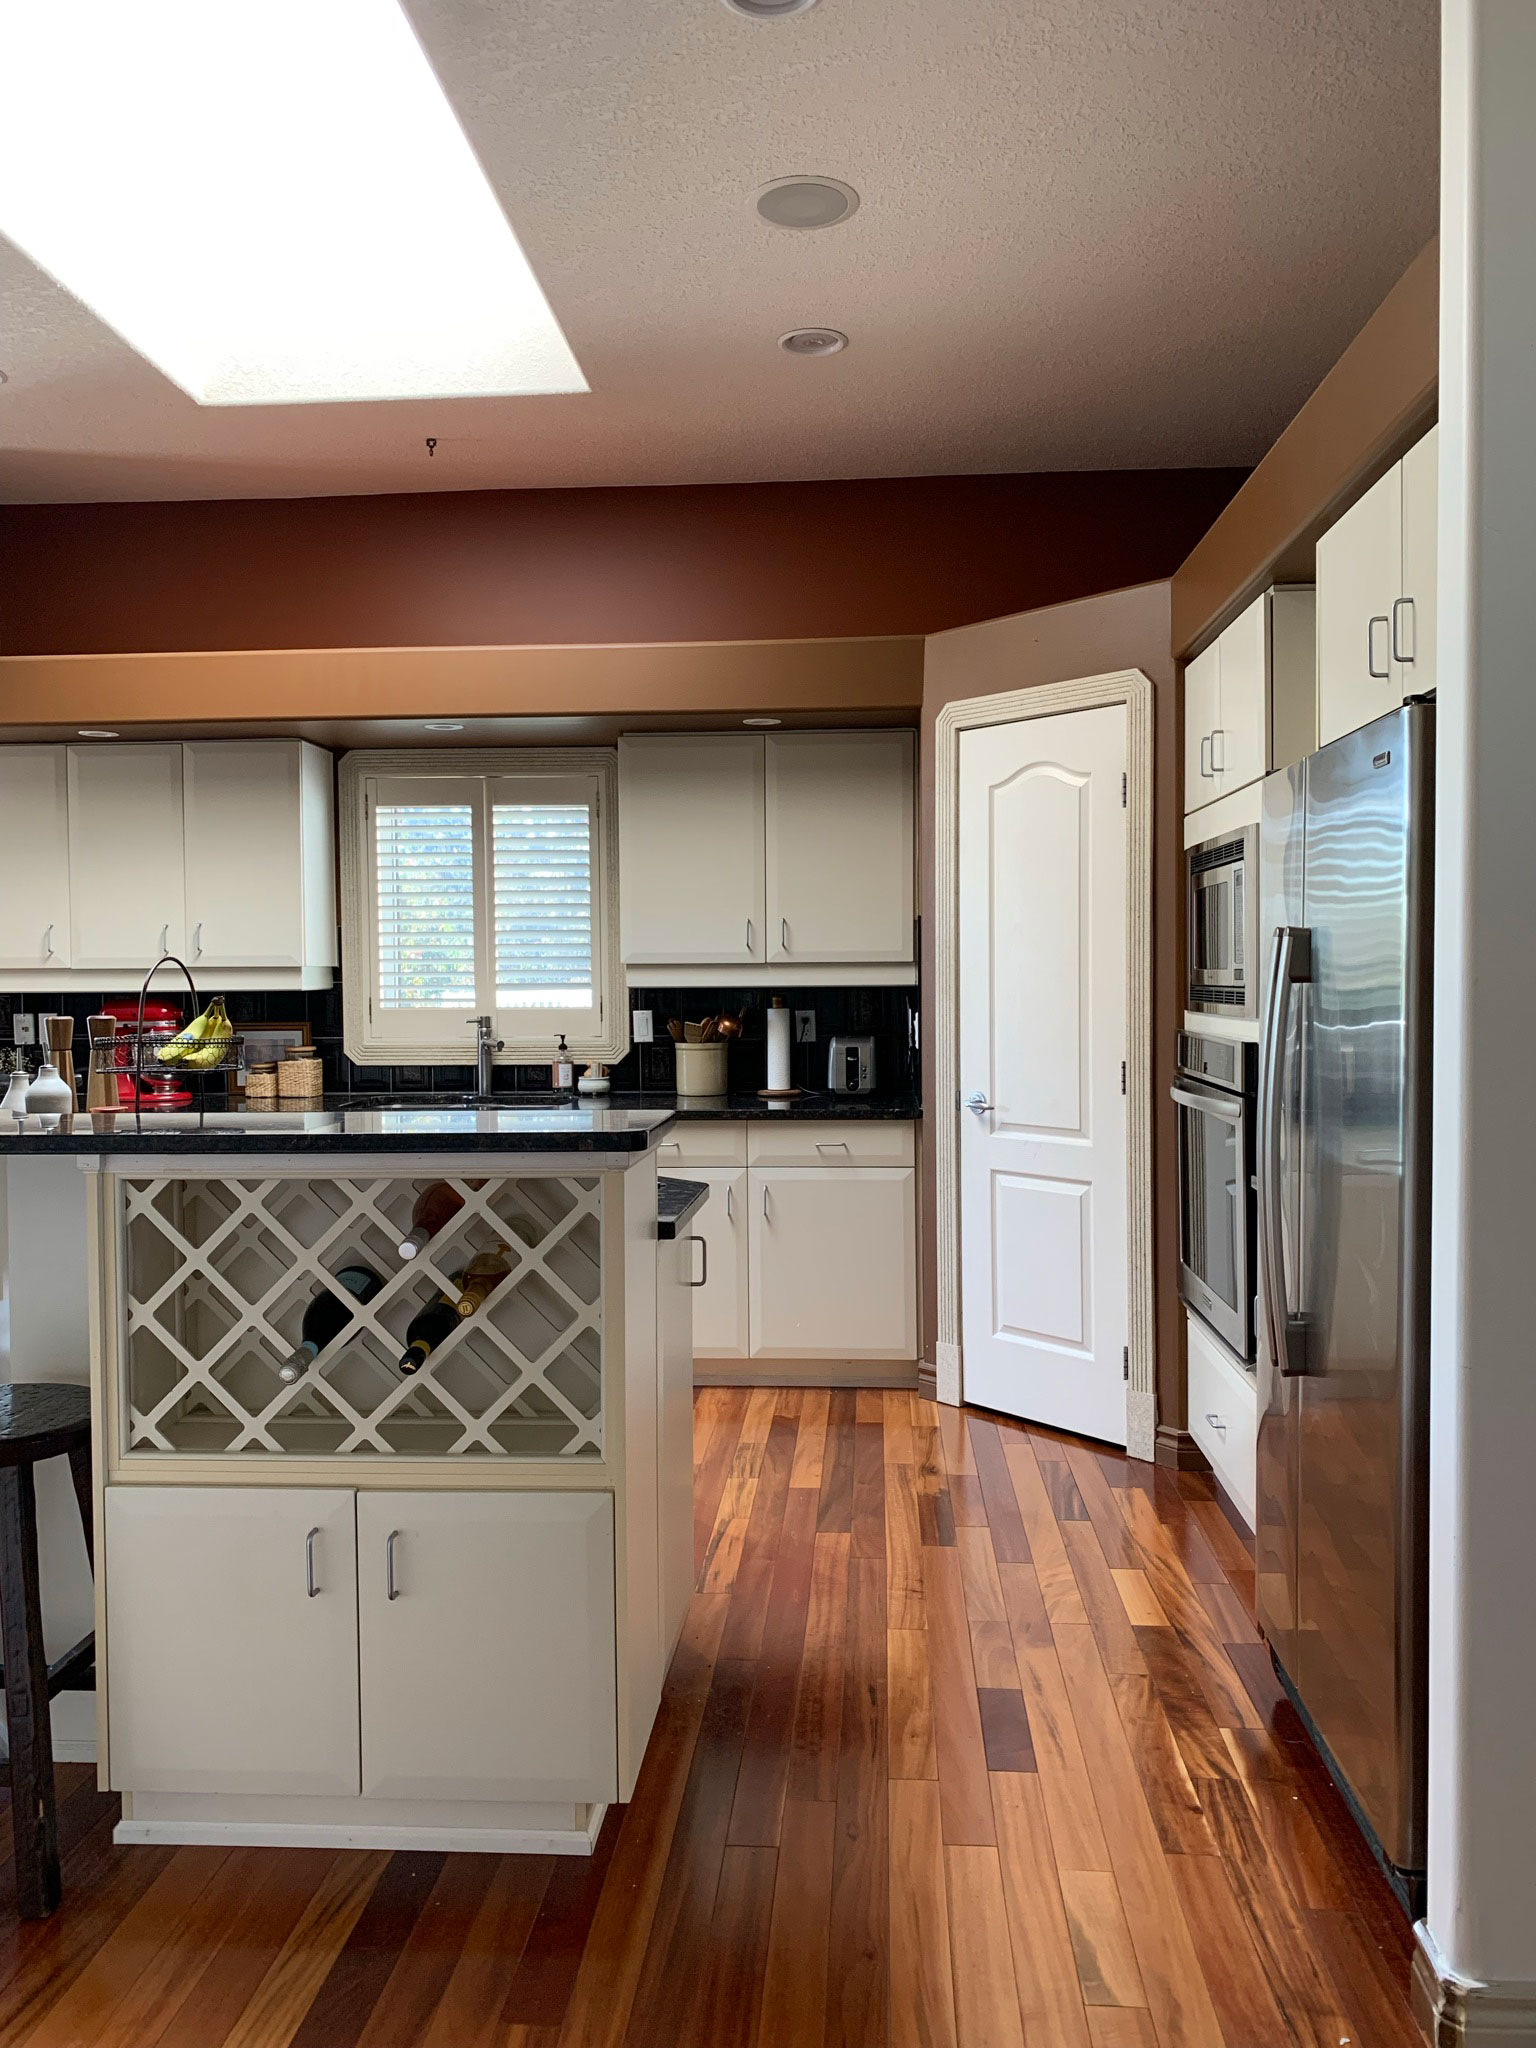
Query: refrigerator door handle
[(1290, 966)]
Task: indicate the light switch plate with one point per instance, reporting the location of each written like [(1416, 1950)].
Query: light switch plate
[(23, 1027), (640, 1029), (805, 1027)]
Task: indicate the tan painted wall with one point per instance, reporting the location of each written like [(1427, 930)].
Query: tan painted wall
[(1122, 629)]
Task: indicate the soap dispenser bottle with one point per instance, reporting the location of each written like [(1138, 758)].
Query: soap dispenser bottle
[(562, 1072), (15, 1100)]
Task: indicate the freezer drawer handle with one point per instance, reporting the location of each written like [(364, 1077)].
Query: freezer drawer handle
[(1290, 967), (1217, 1424), (1230, 1112)]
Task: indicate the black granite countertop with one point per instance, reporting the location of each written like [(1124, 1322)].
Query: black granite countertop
[(676, 1201), (813, 1105), (346, 1124)]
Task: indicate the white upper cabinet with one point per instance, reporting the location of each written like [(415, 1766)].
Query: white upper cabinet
[(34, 859), (791, 851), (839, 814), (1249, 697), (127, 880), (1376, 572), (691, 849), (260, 860)]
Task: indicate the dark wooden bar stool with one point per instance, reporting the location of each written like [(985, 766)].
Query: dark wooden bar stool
[(37, 1422)]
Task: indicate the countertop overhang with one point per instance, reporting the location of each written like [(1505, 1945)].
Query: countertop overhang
[(677, 1201), (341, 1129)]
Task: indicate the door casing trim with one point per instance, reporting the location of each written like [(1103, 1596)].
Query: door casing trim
[(1133, 689)]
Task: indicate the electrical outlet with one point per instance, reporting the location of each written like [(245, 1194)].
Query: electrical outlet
[(640, 1027), (805, 1027), (23, 1027)]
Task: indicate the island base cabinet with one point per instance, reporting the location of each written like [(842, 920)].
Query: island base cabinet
[(232, 1639), (832, 1259), (486, 1624)]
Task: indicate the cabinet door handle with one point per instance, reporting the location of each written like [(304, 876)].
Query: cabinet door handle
[(1219, 767), (783, 934), (765, 1203), (1217, 1424), (749, 934), (1206, 773), (197, 939), (48, 943), (703, 1279), (389, 1564), (165, 939), (1379, 675), (730, 1207), (309, 1562), (1399, 606), (831, 1144)]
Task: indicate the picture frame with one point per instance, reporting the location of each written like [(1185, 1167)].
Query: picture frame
[(264, 1042)]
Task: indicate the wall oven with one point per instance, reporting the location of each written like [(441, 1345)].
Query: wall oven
[(1216, 1096), (1223, 924)]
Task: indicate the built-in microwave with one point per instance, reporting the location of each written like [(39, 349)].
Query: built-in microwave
[(1224, 924)]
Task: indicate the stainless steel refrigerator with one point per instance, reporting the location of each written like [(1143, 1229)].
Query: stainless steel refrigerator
[(1346, 877)]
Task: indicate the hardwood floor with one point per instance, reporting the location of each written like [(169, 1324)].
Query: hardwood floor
[(970, 1742)]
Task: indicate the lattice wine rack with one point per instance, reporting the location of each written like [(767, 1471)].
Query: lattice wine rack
[(218, 1274)]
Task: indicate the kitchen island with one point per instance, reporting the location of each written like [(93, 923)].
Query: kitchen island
[(342, 1603)]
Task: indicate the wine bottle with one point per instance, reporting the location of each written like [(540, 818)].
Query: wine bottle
[(485, 1271), (436, 1207), (326, 1317), (428, 1327)]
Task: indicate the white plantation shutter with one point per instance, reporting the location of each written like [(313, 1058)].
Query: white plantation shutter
[(541, 867), (425, 896)]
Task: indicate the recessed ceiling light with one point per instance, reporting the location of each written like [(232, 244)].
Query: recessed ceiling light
[(339, 239), (762, 721), (442, 725), (768, 10), (813, 341), (806, 202), (95, 732)]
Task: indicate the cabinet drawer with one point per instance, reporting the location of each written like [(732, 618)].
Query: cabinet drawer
[(830, 1144), (1223, 1415), (702, 1144)]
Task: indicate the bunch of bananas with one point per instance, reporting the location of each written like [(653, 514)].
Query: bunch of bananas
[(204, 1042)]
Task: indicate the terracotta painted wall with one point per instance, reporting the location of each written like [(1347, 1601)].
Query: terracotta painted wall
[(519, 568), (1122, 629)]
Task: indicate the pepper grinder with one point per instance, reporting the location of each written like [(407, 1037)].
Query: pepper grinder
[(61, 1037), (101, 1075)]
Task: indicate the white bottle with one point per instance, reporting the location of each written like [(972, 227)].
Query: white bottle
[(50, 1095), (15, 1100), (778, 1047)]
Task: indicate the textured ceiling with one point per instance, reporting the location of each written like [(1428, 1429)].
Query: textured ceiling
[(1091, 236)]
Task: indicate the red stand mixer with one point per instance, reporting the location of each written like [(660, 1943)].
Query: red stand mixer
[(163, 1090)]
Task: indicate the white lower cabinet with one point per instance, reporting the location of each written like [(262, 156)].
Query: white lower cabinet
[(1224, 1414), (415, 1645), (720, 1319), (486, 1632), (232, 1639), (833, 1258)]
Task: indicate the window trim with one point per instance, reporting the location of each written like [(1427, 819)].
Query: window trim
[(367, 1038)]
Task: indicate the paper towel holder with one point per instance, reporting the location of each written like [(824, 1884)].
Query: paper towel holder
[(776, 1007)]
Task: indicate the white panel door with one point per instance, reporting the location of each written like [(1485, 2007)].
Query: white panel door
[(487, 1626), (691, 849), (834, 1261), (1359, 580), (245, 853), (1043, 1186), (1202, 714), (1414, 622), (126, 858), (839, 809), (1240, 744), (34, 858), (720, 1305), (231, 1639)]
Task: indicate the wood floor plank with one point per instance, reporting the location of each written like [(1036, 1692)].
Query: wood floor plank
[(1102, 1502), (867, 1524), (1101, 1940), (1101, 1598), (1202, 1742), (903, 1549), (728, 1537), (1010, 1544), (858, 1952), (1120, 2026), (1141, 1604), (546, 1973), (1169, 1790), (897, 1420), (763, 1782), (1053, 1569), (361, 1968), (922, 1981), (935, 1511), (1005, 1729), (415, 1987), (965, 1797), (731, 1980), (1244, 2002), (913, 1752), (819, 1696), (811, 1439), (1176, 1995), (1372, 1997), (1044, 1966), (986, 1611), (1065, 1784), (835, 1514), (709, 1480), (468, 2013), (794, 1996), (287, 1990), (987, 2010)]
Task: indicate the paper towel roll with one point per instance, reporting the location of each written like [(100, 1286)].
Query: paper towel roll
[(778, 1047)]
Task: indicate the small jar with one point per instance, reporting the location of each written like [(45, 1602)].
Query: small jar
[(300, 1078), (261, 1081)]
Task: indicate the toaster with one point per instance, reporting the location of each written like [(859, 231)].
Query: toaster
[(851, 1066)]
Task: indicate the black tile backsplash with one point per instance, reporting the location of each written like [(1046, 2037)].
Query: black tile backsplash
[(886, 1014)]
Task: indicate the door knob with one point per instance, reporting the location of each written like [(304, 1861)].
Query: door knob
[(978, 1103)]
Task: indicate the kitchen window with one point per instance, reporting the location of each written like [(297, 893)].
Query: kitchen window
[(479, 884)]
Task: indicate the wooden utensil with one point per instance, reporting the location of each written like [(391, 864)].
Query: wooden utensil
[(674, 1030), (707, 1031)]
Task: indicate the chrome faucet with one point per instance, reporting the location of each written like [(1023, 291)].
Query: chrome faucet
[(486, 1049)]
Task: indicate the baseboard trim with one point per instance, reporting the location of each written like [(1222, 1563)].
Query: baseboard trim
[(1176, 1447), (927, 1383), (1460, 2012), (807, 1372), (257, 1834)]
